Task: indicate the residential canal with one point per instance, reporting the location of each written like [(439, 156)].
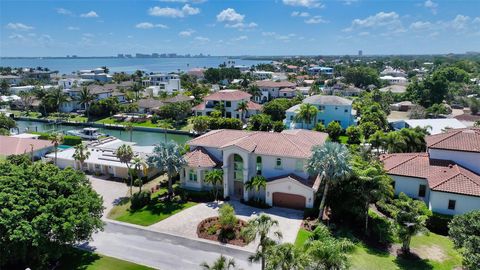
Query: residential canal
[(140, 137)]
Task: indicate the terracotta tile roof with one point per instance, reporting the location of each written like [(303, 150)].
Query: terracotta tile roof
[(457, 140), (312, 182), (254, 106), (289, 143), (199, 107), (229, 95), (441, 175), (149, 103), (273, 84), (18, 146), (200, 158)]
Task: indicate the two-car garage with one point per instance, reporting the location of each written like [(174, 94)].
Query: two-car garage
[(289, 193), (287, 200)]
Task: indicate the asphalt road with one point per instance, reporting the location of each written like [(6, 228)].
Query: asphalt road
[(159, 250)]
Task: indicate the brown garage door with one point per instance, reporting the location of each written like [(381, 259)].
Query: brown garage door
[(288, 200)]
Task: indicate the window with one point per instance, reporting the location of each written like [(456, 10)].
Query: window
[(278, 163), (192, 176), (228, 104), (237, 168), (228, 114), (422, 190), (321, 108), (259, 166), (346, 110), (299, 165), (451, 204)]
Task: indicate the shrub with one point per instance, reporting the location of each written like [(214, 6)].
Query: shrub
[(71, 140), (196, 196), (226, 216), (380, 228), (212, 229), (438, 223), (140, 199), (334, 131)]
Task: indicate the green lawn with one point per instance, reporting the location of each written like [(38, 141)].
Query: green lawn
[(84, 260), (148, 123), (149, 214), (436, 253)]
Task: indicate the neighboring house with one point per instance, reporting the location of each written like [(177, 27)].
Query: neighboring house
[(317, 70), (262, 75), (149, 105), (157, 83), (99, 91), (279, 157), (394, 80), (330, 109), (11, 79), (16, 145), (69, 83), (178, 98), (15, 90), (199, 73), (341, 89), (447, 177), (37, 74), (395, 72), (97, 74), (229, 99), (102, 158), (433, 126), (271, 90)]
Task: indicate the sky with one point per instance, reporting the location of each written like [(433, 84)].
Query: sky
[(241, 27)]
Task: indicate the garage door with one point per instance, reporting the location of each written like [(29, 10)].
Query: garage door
[(288, 200)]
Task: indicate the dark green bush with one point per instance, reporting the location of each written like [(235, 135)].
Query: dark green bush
[(195, 196), (71, 140), (438, 223), (140, 199), (380, 228)]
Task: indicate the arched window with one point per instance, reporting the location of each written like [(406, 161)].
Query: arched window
[(237, 168), (259, 166)]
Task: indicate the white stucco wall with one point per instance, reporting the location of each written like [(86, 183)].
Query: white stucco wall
[(291, 187), (464, 204), (469, 160), (410, 186)]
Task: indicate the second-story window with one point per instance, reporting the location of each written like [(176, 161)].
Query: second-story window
[(259, 165), (278, 163), (228, 104), (192, 175), (422, 190)]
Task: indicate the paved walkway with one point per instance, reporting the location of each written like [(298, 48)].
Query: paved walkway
[(185, 223), (110, 191)]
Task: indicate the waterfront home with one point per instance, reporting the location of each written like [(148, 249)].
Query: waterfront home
[(271, 90), (15, 90), (18, 145), (227, 100), (69, 83), (149, 105), (446, 177), (330, 109), (159, 82), (433, 126), (97, 74), (262, 75), (11, 79), (279, 157), (99, 91), (318, 70), (102, 159), (394, 72)]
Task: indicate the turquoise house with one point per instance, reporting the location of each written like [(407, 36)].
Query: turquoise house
[(330, 108)]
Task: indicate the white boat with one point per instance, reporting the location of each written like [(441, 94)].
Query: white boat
[(86, 133)]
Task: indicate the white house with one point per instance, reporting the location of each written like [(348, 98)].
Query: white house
[(68, 83), (99, 91), (156, 83), (279, 157), (11, 79), (433, 126), (262, 75), (317, 70), (97, 74), (395, 72), (229, 99), (446, 177), (271, 90), (394, 80)]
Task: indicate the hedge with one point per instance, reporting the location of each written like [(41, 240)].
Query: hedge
[(67, 139), (438, 223)]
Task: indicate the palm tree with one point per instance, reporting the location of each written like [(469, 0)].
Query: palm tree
[(215, 178), (56, 97), (167, 157), (256, 183), (222, 263), (306, 113), (136, 88), (329, 253), (245, 81), (26, 99), (125, 154), (395, 142), (286, 257), (129, 128), (81, 154), (139, 164), (56, 139), (40, 93), (85, 99), (254, 91), (261, 227), (331, 162), (377, 140), (242, 107)]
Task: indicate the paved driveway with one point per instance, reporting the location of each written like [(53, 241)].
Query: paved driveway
[(185, 223), (110, 191)]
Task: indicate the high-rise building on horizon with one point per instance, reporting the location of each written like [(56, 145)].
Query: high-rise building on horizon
[(360, 53)]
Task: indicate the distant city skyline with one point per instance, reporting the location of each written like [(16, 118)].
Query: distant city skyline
[(213, 27)]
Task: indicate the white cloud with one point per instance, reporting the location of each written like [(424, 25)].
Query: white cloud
[(18, 26), (349, 2), (476, 20), (315, 20), (300, 14), (389, 21), (304, 3), (421, 25), (460, 22), (64, 11), (186, 33), (90, 14), (147, 25), (184, 1), (363, 34), (173, 12), (73, 28), (431, 5), (89, 35), (230, 15), (278, 36), (242, 25), (17, 37), (240, 38), (202, 39)]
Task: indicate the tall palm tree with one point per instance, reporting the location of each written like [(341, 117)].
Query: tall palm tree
[(329, 253), (81, 154), (242, 107), (260, 227), (306, 113), (56, 139), (222, 263), (377, 140), (40, 93), (245, 81), (129, 128), (215, 178), (254, 91), (56, 97), (139, 165), (125, 154), (167, 157), (395, 142), (330, 161), (85, 99), (286, 257), (256, 183), (136, 88)]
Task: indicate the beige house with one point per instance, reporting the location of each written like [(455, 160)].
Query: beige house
[(229, 99), (279, 157)]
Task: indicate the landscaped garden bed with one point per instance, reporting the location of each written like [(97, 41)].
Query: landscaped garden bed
[(211, 229)]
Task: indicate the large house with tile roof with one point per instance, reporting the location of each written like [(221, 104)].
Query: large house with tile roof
[(229, 99), (279, 157), (446, 177), (273, 89)]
